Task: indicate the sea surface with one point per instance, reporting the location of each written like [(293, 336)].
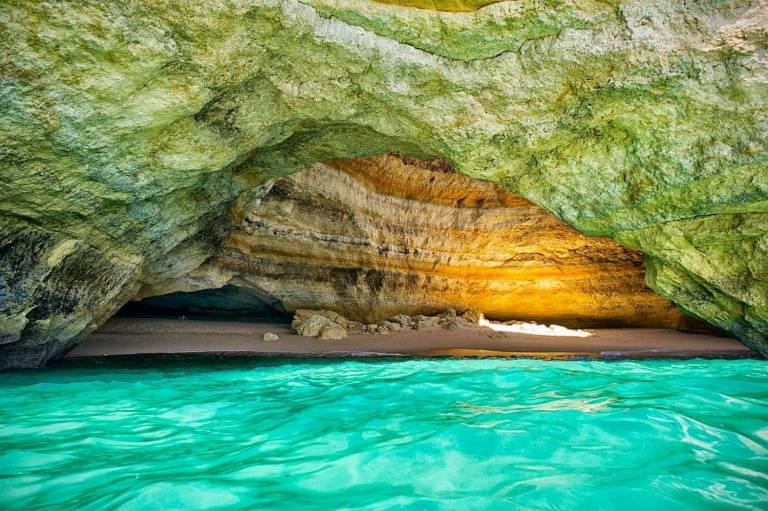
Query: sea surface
[(409, 435)]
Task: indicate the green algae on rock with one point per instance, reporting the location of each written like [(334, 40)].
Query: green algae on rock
[(442, 5), (133, 135)]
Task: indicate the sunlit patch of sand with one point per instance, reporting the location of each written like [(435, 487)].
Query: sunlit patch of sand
[(534, 329)]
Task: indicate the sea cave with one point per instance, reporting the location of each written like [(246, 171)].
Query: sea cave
[(535, 206)]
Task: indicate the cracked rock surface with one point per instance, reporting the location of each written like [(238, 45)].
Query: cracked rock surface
[(135, 135)]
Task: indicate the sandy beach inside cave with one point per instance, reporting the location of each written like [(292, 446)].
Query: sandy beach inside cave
[(139, 336)]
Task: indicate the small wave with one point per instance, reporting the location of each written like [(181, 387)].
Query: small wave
[(405, 434)]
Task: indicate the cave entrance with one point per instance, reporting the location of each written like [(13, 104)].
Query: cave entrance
[(392, 245), (375, 237), (371, 238), (228, 303)]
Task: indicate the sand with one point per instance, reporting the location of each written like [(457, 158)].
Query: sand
[(138, 336)]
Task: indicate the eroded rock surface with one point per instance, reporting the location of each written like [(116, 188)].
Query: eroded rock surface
[(374, 237), (135, 135), (320, 323)]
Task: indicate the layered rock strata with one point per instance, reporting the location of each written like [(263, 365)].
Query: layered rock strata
[(134, 135), (375, 237)]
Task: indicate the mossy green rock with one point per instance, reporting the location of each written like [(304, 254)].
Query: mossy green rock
[(133, 133)]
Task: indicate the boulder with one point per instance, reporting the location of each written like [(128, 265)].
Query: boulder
[(332, 331), (425, 324), (403, 320), (302, 314), (312, 326), (390, 325), (472, 316), (454, 323)]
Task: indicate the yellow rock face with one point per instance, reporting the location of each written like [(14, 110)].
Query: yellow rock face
[(373, 237)]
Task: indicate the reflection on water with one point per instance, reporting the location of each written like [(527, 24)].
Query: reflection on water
[(418, 434)]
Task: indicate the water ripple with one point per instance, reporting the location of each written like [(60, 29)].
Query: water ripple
[(380, 435)]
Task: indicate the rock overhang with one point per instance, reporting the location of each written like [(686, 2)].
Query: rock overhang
[(136, 134)]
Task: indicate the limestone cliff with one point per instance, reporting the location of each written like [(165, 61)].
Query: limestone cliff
[(375, 237), (135, 135)]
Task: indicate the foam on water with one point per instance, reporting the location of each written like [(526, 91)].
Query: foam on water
[(375, 435)]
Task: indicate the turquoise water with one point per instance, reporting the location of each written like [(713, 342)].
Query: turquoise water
[(415, 435)]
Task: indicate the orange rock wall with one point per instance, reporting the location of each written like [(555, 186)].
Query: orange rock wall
[(378, 236)]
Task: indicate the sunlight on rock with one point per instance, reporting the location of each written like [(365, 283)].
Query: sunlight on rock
[(534, 329)]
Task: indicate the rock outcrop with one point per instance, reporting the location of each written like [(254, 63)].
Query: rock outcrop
[(135, 135), (374, 237), (322, 323)]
